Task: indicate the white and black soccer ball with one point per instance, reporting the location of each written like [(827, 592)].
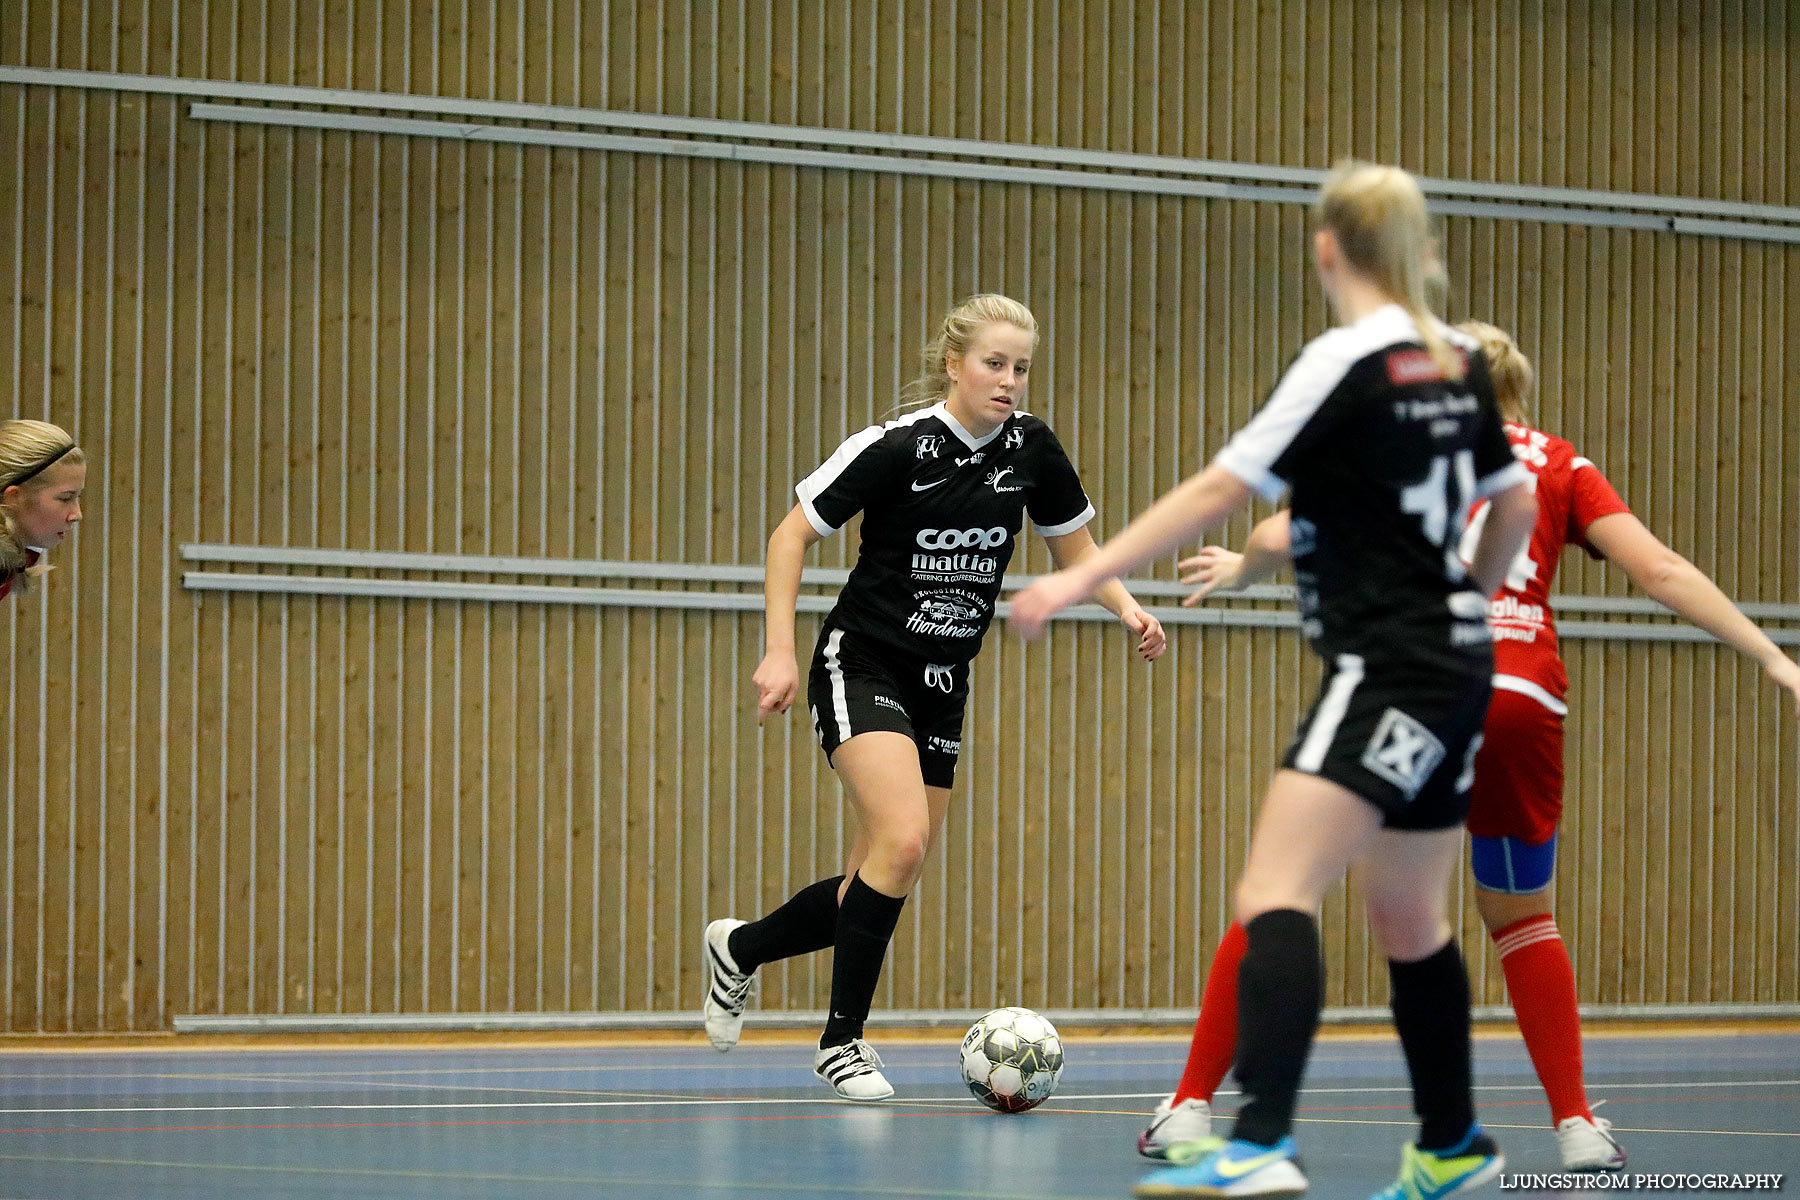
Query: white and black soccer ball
[(1011, 1059)]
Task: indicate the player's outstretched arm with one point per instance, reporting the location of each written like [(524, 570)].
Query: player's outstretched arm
[(1216, 569), (1678, 585), (1068, 549), (1510, 516), (777, 677), (1191, 508)]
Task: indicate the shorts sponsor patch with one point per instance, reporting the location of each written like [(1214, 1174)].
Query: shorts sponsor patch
[(890, 702), (944, 745), (1403, 752)]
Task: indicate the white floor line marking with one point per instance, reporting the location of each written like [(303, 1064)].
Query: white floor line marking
[(1413, 1124), (842, 1104), (616, 1099)]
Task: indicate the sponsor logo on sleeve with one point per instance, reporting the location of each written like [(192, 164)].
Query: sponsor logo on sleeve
[(927, 445)]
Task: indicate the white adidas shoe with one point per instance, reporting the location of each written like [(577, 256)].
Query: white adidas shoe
[(853, 1070), (727, 988), (1588, 1145), (1177, 1131)]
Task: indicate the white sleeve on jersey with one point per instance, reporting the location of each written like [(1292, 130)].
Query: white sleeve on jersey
[(1252, 453), (840, 484)]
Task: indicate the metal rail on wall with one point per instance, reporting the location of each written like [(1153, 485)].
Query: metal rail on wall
[(1226, 615), (943, 157)]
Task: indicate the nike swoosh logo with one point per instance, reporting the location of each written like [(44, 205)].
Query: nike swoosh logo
[(917, 487), (1236, 1170)]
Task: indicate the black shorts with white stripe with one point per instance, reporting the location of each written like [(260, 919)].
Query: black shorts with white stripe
[(1403, 739), (859, 686)]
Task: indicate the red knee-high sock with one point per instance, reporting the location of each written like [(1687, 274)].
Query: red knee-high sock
[(1215, 1033), (1541, 984)]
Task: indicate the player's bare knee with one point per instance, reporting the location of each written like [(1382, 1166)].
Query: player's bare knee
[(1500, 909), (1405, 935), (902, 855)]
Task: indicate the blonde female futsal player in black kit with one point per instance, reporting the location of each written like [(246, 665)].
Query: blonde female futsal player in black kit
[(42, 474), (944, 492), (1387, 431)]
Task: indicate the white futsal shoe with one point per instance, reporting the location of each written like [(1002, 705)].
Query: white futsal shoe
[(727, 988), (853, 1070), (1177, 1131), (1588, 1145)]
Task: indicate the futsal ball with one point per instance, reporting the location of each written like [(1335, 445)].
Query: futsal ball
[(1011, 1059)]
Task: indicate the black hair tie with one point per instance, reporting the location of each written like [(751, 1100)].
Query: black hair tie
[(42, 467)]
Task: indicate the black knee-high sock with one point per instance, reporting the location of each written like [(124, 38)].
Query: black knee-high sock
[(807, 922), (1281, 988), (865, 925), (1431, 1014)]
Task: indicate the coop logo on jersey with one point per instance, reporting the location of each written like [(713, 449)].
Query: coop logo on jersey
[(1403, 752), (962, 539), (926, 445), (1015, 438), (996, 476), (940, 678)]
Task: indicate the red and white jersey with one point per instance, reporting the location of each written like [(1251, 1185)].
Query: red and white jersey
[(1571, 495)]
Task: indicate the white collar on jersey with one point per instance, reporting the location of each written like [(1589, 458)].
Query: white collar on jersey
[(941, 410)]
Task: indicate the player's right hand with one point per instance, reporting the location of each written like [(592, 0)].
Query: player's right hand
[(1787, 674), (1215, 569), (777, 682)]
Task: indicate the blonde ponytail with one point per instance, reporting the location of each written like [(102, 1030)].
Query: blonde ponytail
[(1511, 372), (1378, 216)]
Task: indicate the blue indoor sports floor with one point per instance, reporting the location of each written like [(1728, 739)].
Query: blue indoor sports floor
[(678, 1120)]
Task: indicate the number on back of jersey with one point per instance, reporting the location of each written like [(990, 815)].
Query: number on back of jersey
[(1441, 502)]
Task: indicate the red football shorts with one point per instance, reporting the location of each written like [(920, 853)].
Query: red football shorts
[(1518, 789)]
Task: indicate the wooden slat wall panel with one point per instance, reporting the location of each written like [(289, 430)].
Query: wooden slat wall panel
[(314, 805)]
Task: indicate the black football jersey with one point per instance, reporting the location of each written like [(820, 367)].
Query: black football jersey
[(941, 512), (1385, 455)]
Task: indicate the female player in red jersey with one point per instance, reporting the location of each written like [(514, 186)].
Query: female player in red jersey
[(42, 474), (1385, 429), (1517, 797)]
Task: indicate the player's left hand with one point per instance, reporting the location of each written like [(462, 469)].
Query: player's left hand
[(1033, 607), (1152, 641)]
